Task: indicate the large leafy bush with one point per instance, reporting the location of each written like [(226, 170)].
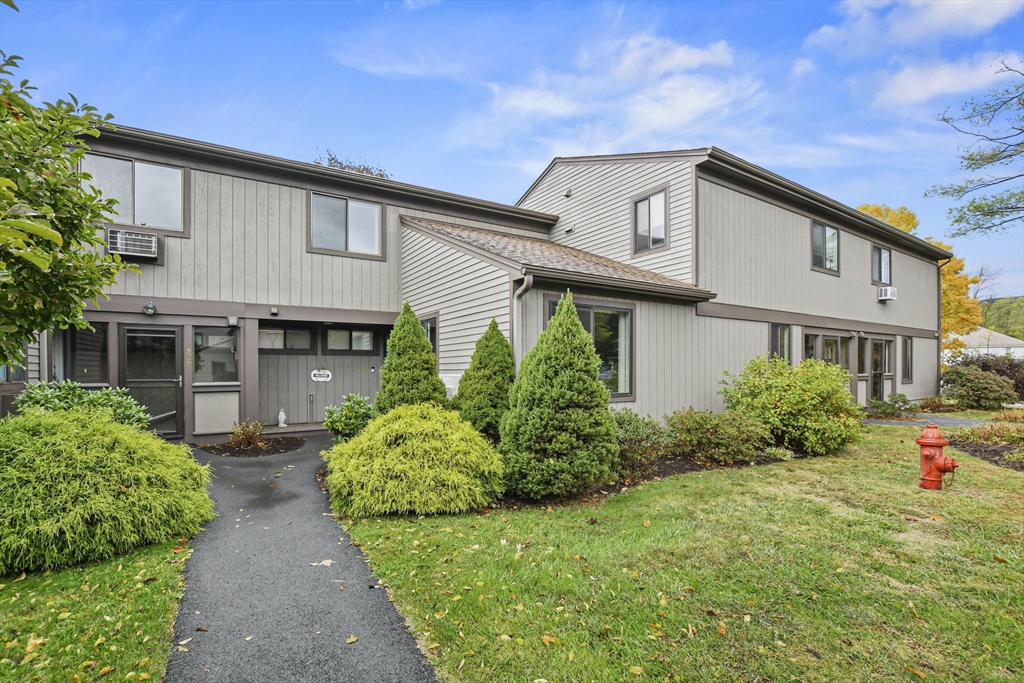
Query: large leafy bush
[(1005, 366), (418, 459), (642, 440), (349, 419), (807, 408), (409, 373), (972, 387), (895, 405), (482, 399), (77, 486), (68, 395), (717, 438), (558, 437)]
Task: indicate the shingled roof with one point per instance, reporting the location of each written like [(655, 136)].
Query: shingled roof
[(556, 262)]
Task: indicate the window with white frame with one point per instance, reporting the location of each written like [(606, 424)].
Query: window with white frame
[(345, 225), (148, 195), (650, 218), (824, 247), (881, 270)]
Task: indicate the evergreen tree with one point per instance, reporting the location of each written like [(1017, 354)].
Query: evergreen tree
[(559, 437), (483, 389), (409, 373)]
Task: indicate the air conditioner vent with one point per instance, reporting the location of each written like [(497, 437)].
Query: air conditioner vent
[(129, 243), (887, 294)]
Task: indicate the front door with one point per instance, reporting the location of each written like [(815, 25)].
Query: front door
[(877, 369), (151, 370)]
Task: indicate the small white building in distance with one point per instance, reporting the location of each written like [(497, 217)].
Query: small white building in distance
[(986, 341)]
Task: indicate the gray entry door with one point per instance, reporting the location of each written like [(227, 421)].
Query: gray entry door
[(151, 370)]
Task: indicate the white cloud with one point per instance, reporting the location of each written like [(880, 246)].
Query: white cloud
[(418, 64), (414, 5), (801, 68), (640, 92), (919, 83), (868, 25)]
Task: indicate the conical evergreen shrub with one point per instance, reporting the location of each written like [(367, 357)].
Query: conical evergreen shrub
[(483, 389), (558, 437), (409, 373)]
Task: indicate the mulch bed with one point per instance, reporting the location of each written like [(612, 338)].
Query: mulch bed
[(271, 446), (993, 453)]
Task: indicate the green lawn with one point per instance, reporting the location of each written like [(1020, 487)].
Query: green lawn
[(826, 569), (107, 620)]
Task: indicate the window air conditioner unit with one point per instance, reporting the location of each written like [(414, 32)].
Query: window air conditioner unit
[(129, 243), (887, 294)]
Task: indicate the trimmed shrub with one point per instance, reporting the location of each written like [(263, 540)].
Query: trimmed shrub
[(1005, 366), (970, 387), (349, 419), (68, 395), (248, 434), (558, 437), (482, 398), (418, 459), (642, 441), (78, 486), (807, 408), (717, 438), (409, 373), (896, 405)]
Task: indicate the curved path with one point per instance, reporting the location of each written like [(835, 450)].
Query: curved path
[(938, 419), (270, 615)]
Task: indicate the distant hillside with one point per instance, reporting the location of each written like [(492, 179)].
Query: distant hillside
[(1004, 315)]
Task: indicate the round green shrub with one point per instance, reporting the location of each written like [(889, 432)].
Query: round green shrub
[(482, 399), (717, 438), (67, 395), (77, 486), (559, 437), (418, 459), (807, 408), (642, 440), (971, 387), (1005, 366), (409, 373), (349, 419)]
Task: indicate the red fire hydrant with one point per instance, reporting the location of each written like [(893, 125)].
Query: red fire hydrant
[(933, 463)]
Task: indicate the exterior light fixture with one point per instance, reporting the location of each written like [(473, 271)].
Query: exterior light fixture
[(149, 308)]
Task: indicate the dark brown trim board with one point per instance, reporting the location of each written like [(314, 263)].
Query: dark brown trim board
[(717, 310)]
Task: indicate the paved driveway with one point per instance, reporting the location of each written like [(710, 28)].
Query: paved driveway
[(271, 616)]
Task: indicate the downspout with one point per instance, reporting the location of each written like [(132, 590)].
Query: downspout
[(938, 369), (517, 317)]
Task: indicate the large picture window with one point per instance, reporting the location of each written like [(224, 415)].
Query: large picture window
[(612, 331), (148, 195), (216, 354), (650, 217), (824, 247), (338, 224), (881, 258)]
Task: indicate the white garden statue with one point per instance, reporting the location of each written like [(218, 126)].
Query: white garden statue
[(281, 417)]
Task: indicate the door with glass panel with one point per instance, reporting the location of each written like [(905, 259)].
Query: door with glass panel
[(151, 370), (877, 369)]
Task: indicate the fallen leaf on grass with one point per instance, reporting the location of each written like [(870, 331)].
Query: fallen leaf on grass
[(999, 559), (351, 639), (721, 628), (106, 670), (646, 523), (919, 674), (547, 640), (637, 670), (33, 643), (20, 578)]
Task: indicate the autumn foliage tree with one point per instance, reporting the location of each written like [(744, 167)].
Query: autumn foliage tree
[(961, 314)]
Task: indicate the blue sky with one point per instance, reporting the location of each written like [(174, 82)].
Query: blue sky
[(476, 98)]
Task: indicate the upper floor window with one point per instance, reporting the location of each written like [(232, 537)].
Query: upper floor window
[(881, 257), (148, 195), (650, 220), (346, 225), (824, 247)]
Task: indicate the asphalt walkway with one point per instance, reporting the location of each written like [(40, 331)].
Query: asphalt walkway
[(265, 582), (923, 419)]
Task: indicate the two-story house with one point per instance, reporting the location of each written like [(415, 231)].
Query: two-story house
[(271, 285)]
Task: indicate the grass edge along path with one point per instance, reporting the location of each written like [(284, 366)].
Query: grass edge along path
[(834, 568), (108, 620)]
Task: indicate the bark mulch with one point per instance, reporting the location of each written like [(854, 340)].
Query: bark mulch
[(993, 453), (271, 446)]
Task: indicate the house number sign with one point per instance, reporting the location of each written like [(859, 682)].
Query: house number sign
[(321, 375)]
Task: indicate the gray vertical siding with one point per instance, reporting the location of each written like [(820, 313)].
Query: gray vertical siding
[(284, 383), (680, 357), (248, 244), (466, 291), (33, 363), (755, 253), (600, 208)]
